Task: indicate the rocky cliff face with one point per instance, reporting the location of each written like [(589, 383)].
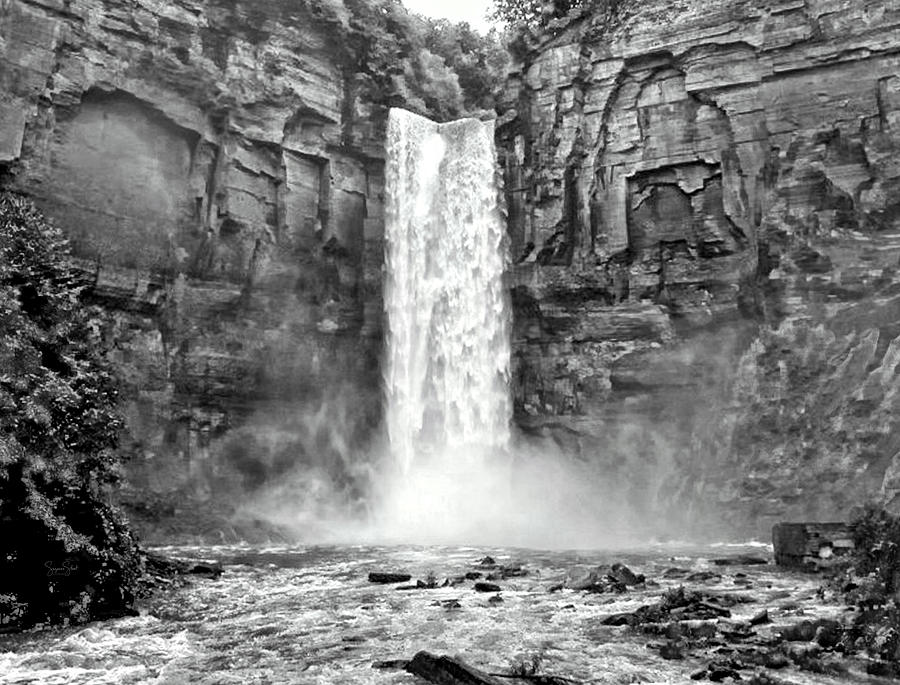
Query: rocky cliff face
[(220, 176), (704, 208), (704, 211)]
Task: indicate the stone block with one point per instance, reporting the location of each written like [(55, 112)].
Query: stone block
[(810, 545)]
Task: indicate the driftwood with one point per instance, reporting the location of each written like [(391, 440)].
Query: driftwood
[(445, 670), (388, 578)]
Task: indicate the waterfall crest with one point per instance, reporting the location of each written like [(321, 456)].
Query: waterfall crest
[(448, 349)]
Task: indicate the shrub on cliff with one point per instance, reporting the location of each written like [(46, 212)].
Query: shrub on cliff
[(875, 585), (65, 554)]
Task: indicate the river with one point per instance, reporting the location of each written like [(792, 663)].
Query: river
[(309, 615)]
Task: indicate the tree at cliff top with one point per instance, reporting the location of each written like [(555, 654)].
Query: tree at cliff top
[(529, 21), (532, 13), (65, 554), (433, 67)]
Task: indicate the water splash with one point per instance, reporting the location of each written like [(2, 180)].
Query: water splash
[(448, 351), (448, 316), (452, 471)]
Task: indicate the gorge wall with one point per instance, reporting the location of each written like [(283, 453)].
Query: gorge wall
[(704, 208), (704, 213), (219, 171)]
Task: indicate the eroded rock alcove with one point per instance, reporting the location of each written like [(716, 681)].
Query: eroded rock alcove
[(220, 176), (697, 198)]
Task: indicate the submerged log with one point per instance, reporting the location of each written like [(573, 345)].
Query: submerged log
[(445, 670), (740, 560), (389, 578)]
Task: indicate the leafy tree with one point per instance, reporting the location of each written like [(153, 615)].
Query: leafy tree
[(64, 551), (430, 87), (480, 61), (434, 67), (532, 13)]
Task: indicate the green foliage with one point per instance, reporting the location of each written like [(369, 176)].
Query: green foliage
[(429, 86), (433, 67), (875, 587), (528, 22), (480, 62), (876, 539), (532, 13), (64, 552)]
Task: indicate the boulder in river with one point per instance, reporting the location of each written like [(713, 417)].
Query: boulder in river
[(504, 572), (616, 578), (486, 587), (624, 575), (823, 631), (760, 618)]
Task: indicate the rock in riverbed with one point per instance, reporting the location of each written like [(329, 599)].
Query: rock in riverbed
[(676, 604), (486, 587), (616, 578)]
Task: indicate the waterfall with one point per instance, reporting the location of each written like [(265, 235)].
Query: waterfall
[(452, 476), (448, 351)]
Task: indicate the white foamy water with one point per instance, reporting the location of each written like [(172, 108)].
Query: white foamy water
[(309, 615), (448, 317), (448, 408)]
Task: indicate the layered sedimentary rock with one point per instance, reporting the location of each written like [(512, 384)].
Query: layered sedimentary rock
[(704, 205), (704, 212), (221, 180)]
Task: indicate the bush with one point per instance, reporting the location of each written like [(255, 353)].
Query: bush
[(65, 553), (876, 539), (875, 584)]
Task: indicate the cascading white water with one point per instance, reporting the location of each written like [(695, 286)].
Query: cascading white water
[(448, 318), (448, 351)]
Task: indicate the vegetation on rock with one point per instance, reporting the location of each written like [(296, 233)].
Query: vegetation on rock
[(434, 67), (65, 553), (540, 15), (532, 13), (874, 587)]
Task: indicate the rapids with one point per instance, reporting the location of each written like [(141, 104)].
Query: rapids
[(309, 615)]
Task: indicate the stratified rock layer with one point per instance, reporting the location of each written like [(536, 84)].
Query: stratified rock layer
[(221, 181), (704, 211), (704, 204)]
